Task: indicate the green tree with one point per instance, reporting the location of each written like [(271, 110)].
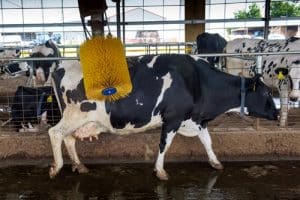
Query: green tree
[(287, 9), (278, 9), (253, 12)]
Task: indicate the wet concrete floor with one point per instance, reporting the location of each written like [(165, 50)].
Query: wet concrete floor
[(255, 180)]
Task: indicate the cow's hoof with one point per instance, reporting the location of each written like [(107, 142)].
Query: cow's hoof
[(282, 125), (162, 175), (80, 168), (53, 171), (216, 165)]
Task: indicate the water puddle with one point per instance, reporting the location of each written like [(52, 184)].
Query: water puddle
[(276, 180)]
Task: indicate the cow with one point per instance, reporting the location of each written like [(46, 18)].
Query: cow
[(178, 93), (8, 68), (13, 69), (42, 69), (211, 43), (281, 72), (27, 114), (38, 71), (33, 107)]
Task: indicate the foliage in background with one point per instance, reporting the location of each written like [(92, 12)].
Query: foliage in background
[(278, 9), (253, 12), (287, 9)]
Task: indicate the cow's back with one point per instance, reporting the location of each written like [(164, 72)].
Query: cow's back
[(246, 65), (184, 67)]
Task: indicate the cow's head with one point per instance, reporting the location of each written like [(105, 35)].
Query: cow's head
[(42, 69), (294, 78), (259, 100)]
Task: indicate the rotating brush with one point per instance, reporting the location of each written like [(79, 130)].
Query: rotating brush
[(104, 68)]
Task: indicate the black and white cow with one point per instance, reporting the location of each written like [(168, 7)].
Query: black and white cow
[(40, 73), (33, 109), (176, 92), (211, 43), (39, 70), (30, 109), (42, 69), (288, 66), (8, 68), (13, 69)]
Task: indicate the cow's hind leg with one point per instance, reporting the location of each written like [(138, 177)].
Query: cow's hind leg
[(206, 141), (56, 138), (191, 128), (70, 141), (163, 148), (57, 134)]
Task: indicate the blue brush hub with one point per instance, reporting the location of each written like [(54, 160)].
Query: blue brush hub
[(109, 91)]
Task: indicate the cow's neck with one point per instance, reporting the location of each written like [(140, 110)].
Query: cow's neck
[(222, 93)]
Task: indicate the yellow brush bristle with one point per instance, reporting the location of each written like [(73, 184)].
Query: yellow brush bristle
[(104, 65)]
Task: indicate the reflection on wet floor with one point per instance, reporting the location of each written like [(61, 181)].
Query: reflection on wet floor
[(277, 180)]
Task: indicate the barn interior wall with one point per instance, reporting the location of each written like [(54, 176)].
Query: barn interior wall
[(194, 10)]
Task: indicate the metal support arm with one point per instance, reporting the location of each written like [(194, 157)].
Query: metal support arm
[(95, 9)]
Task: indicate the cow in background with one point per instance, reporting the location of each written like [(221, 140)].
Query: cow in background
[(34, 109), (30, 110), (281, 72), (39, 71), (211, 43), (179, 93), (42, 69), (11, 69)]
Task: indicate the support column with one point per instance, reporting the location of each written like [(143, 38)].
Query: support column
[(194, 9), (267, 18)]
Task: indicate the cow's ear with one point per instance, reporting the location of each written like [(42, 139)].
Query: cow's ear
[(281, 72)]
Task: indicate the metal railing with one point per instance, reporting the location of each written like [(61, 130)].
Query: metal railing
[(130, 49), (152, 48), (226, 122)]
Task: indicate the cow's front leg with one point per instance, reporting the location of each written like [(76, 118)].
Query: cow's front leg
[(206, 141), (70, 141), (284, 100), (166, 138)]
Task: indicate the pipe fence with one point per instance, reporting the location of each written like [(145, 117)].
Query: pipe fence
[(230, 121)]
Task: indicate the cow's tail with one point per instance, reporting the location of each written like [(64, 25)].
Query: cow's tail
[(56, 95)]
